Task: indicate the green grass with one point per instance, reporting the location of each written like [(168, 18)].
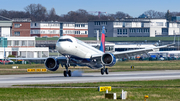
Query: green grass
[(160, 90), (119, 66), (121, 38), (126, 84)]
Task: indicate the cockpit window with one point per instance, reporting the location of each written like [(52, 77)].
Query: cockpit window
[(60, 40)]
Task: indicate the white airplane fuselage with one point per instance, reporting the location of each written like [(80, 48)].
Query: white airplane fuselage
[(68, 45)]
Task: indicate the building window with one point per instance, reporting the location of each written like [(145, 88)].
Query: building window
[(164, 30), (132, 31), (104, 23), (118, 23), (82, 25), (9, 42), (16, 25), (124, 31), (159, 23), (17, 33), (140, 30), (137, 30), (77, 25), (35, 24), (85, 32), (30, 43), (16, 43), (77, 32), (119, 31), (146, 30), (97, 23), (23, 43)]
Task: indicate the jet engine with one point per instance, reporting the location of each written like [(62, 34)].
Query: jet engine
[(51, 64), (108, 59)]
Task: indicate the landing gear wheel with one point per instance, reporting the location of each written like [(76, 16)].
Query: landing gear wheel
[(65, 74), (69, 73), (102, 71), (107, 71)]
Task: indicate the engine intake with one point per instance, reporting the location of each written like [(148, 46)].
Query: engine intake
[(108, 59), (51, 64)]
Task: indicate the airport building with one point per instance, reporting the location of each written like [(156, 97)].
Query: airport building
[(23, 47), (75, 29), (5, 26), (45, 29), (21, 27), (134, 27), (57, 29)]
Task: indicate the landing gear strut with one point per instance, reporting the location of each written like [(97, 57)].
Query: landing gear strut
[(104, 70), (66, 72)]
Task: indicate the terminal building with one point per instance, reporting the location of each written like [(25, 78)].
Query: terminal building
[(135, 27), (21, 47), (5, 26)]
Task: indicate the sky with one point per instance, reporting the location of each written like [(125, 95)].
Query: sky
[(132, 7)]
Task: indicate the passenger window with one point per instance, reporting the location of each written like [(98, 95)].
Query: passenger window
[(61, 40)]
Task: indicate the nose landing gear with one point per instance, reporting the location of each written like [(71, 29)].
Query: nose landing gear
[(66, 72)]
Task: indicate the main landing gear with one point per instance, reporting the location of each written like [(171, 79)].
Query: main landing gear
[(104, 70), (66, 72)]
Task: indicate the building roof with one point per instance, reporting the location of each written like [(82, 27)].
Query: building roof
[(21, 20), (2, 18)]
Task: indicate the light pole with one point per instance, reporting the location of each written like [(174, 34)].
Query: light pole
[(3, 44), (178, 42)]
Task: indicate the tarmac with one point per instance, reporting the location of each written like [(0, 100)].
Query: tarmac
[(79, 77)]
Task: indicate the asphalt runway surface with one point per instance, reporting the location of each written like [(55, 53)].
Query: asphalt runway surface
[(9, 80)]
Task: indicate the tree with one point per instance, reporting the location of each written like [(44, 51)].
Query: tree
[(154, 14), (120, 15), (37, 12), (52, 16), (168, 16)]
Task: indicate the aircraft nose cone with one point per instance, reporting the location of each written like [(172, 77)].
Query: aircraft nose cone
[(59, 47)]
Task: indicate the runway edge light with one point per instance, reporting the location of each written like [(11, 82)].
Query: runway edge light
[(104, 88)]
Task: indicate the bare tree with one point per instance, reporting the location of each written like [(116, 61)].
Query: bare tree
[(154, 14), (37, 12)]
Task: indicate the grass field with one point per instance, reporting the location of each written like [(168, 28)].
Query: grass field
[(121, 38), (160, 90), (120, 66), (166, 90)]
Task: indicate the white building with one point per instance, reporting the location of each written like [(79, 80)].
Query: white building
[(48, 29), (23, 47), (5, 26), (135, 27), (75, 29), (56, 29)]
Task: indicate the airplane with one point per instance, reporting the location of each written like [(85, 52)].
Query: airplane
[(78, 53)]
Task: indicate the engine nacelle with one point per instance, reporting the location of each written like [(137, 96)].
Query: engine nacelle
[(51, 64), (108, 59)]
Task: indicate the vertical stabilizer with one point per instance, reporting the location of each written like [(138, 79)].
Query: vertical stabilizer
[(102, 47)]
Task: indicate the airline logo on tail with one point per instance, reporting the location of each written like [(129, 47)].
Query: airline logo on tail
[(102, 47)]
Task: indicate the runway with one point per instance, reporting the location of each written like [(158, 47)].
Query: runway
[(9, 80)]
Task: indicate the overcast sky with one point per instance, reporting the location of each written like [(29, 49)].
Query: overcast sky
[(132, 7)]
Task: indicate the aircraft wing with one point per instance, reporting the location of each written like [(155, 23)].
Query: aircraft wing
[(132, 52), (28, 58)]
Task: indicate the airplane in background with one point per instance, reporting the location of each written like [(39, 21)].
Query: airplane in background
[(78, 53)]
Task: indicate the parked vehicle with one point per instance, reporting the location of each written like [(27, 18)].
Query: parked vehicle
[(6, 61)]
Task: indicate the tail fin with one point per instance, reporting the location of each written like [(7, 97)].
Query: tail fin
[(102, 47)]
